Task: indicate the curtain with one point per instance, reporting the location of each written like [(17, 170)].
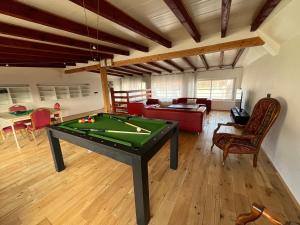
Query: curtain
[(167, 87)]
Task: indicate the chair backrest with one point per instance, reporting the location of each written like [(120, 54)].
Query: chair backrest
[(56, 106), (16, 108), (40, 118), (135, 108), (264, 114)]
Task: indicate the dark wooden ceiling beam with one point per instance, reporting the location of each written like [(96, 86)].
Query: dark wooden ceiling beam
[(30, 52), (174, 64), (237, 57), (21, 44), (183, 16), (53, 38), (42, 65), (122, 70), (114, 70), (25, 12), (264, 13), (117, 74), (221, 63), (134, 69), (108, 73), (109, 11), (204, 61), (226, 4), (147, 68), (128, 71), (157, 65), (189, 62), (35, 60)]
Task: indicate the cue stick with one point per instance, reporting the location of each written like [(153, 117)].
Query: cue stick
[(112, 131), (130, 124)]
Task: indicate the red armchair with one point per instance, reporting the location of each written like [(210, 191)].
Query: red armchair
[(263, 117)]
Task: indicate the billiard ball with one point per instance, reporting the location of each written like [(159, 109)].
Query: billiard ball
[(138, 129)]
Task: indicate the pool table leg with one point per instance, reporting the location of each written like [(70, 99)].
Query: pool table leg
[(56, 152), (174, 150), (141, 190)]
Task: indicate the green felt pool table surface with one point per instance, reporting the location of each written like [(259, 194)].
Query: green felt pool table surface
[(105, 121)]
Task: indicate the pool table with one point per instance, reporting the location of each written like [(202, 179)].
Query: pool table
[(135, 147)]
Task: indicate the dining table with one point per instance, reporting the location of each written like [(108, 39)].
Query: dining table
[(10, 118)]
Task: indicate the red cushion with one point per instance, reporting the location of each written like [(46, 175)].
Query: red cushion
[(18, 126)]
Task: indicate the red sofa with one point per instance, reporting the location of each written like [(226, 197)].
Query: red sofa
[(203, 101), (188, 120)]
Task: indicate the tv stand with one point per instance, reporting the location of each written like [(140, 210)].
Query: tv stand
[(239, 117)]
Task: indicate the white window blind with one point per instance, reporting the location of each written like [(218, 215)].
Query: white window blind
[(215, 89), (128, 84), (166, 87)]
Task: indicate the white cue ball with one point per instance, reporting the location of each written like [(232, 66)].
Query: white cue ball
[(138, 129)]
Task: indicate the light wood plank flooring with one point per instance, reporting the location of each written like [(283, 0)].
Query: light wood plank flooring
[(97, 190)]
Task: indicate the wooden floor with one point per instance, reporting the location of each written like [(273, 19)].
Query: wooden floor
[(97, 190)]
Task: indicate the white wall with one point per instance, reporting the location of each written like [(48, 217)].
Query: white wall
[(280, 76), (34, 76)]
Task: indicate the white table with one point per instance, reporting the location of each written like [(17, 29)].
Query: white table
[(8, 119)]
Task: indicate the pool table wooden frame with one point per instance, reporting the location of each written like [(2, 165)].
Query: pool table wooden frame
[(136, 157)]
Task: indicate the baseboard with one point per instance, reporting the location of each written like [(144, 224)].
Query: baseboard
[(297, 204)]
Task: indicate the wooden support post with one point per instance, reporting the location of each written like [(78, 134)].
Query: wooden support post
[(105, 92)]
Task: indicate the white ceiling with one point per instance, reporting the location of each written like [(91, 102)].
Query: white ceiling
[(157, 16)]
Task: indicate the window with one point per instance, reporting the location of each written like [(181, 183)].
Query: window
[(128, 84), (215, 89), (166, 87)]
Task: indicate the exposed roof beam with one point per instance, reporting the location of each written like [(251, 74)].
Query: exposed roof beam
[(46, 65), (264, 13), (30, 52), (117, 74), (174, 64), (183, 16), (204, 61), (98, 72), (147, 68), (237, 57), (109, 11), (226, 4), (134, 69), (21, 44), (225, 46), (53, 38), (22, 11), (115, 70), (221, 64), (188, 61), (122, 70), (5, 59), (157, 65)]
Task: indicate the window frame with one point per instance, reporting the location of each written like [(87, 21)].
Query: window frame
[(210, 94)]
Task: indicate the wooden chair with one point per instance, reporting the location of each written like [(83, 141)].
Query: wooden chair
[(40, 118), (256, 212), (263, 117)]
